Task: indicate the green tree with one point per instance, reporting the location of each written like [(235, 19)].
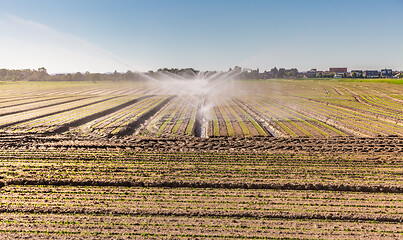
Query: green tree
[(274, 72), (281, 73), (42, 69), (78, 77), (94, 77)]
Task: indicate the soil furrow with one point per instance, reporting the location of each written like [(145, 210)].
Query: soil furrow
[(198, 213), (131, 127), (45, 106), (391, 145), (86, 119), (264, 122), (383, 117), (30, 102), (18, 99), (200, 184), (54, 113)]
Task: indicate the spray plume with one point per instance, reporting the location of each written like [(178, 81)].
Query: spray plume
[(205, 86)]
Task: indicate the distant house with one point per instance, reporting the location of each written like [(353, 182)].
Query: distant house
[(338, 70), (386, 73), (312, 73), (266, 75), (371, 74), (326, 74), (356, 73)]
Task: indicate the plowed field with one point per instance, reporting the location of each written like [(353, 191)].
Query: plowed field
[(281, 108), (278, 160), (57, 187)]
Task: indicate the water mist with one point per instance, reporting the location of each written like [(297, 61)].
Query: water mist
[(205, 86)]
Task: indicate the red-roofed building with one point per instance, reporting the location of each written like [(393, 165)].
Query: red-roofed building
[(338, 70)]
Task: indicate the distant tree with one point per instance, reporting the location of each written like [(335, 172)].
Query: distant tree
[(116, 76), (3, 73), (40, 75), (94, 77), (67, 77), (281, 73), (274, 72), (78, 77), (291, 73), (294, 72), (42, 69), (129, 75), (237, 69), (170, 70)]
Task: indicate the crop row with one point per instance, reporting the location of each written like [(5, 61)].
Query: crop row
[(175, 119), (114, 123), (52, 89), (363, 123), (106, 226), (266, 171), (335, 115), (294, 109), (177, 202), (289, 121), (12, 106), (230, 119), (250, 198), (47, 124), (38, 113)]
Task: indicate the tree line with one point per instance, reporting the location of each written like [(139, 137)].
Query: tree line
[(41, 74)]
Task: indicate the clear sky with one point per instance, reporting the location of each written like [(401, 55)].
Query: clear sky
[(103, 36)]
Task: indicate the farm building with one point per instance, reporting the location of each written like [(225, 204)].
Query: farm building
[(371, 74), (386, 73), (338, 70), (312, 73)]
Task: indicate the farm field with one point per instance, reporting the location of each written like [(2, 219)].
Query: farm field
[(62, 188), (279, 108), (278, 159)]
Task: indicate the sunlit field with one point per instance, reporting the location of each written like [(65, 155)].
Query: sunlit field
[(271, 159), (271, 108)]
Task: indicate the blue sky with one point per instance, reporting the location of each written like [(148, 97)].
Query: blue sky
[(103, 36)]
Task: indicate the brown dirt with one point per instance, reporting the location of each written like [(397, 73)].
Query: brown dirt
[(68, 188), (348, 144)]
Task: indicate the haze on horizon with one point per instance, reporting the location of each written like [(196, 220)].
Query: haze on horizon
[(104, 36)]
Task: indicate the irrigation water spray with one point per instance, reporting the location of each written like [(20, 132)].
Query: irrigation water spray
[(204, 85)]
